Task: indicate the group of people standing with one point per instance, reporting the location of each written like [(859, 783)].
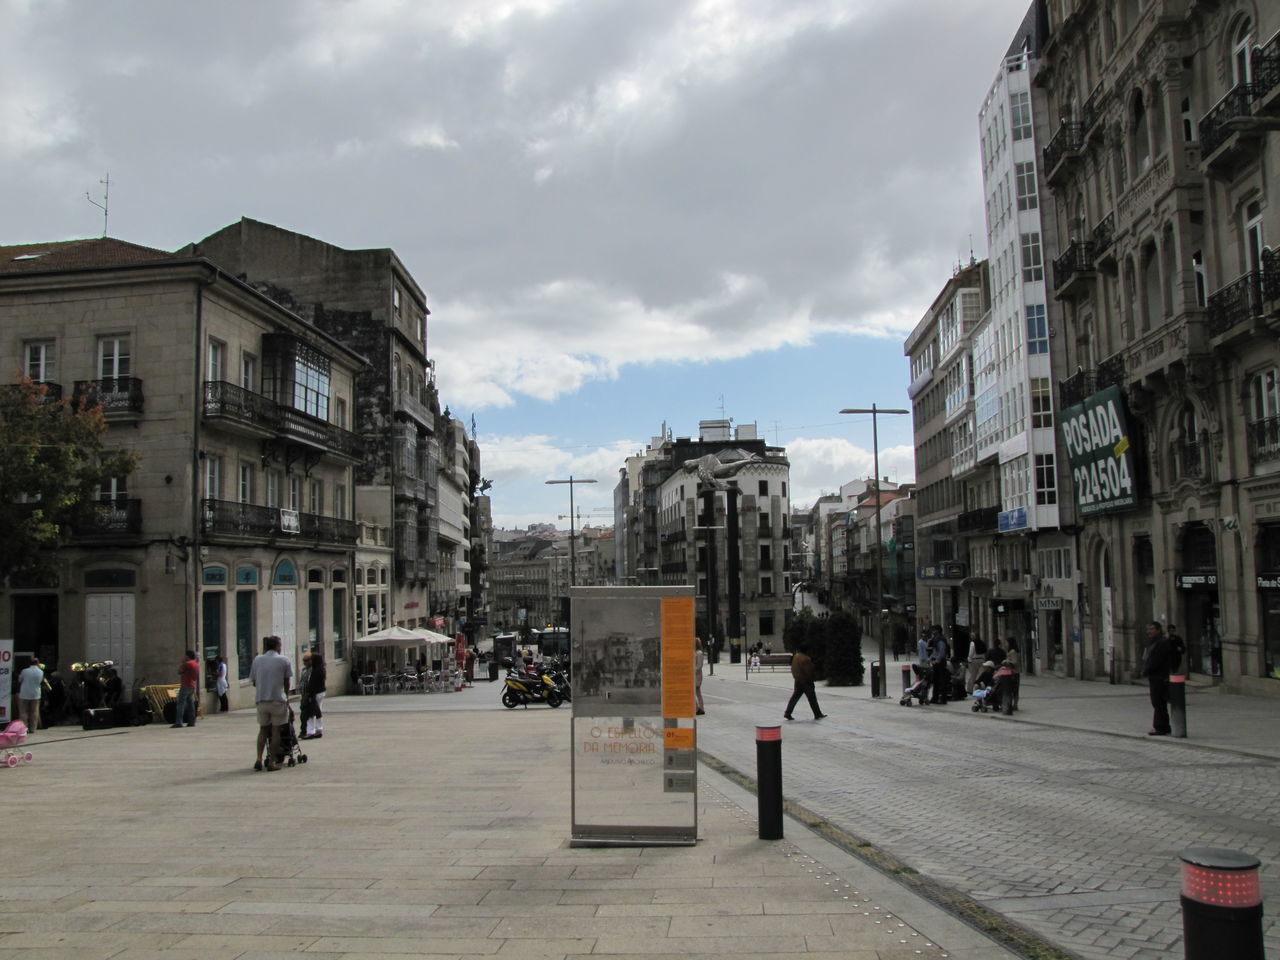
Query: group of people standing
[(953, 675)]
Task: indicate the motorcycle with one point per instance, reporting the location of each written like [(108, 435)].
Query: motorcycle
[(522, 689), (561, 683)]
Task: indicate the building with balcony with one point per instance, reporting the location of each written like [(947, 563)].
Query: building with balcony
[(942, 407), (239, 521), (1166, 310), (368, 300), (733, 544)]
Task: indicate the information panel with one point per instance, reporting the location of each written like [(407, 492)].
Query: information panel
[(634, 737)]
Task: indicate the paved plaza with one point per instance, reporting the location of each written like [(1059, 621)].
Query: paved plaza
[(424, 825), (1066, 818)]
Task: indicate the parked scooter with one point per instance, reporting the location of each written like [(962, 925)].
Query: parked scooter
[(522, 689), (561, 683)]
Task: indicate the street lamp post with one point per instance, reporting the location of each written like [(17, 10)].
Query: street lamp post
[(573, 536), (881, 686)]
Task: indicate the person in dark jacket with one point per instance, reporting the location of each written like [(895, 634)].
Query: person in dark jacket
[(313, 695), (804, 672), (1156, 660)]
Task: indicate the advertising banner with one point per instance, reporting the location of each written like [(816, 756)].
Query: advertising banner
[(1096, 437), (634, 740), (6, 681)]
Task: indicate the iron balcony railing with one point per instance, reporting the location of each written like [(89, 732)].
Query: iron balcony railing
[(1190, 459), (240, 519), (1264, 440), (113, 394), (1214, 125), (313, 526), (1235, 303), (1104, 233), (1090, 114), (112, 518), (984, 518), (1265, 68), (52, 391), (1075, 262), (1271, 274), (1075, 388), (1110, 372), (1068, 140), (223, 399)]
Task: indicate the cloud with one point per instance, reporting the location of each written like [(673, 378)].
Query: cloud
[(821, 465)]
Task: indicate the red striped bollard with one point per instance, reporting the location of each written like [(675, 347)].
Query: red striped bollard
[(769, 779)]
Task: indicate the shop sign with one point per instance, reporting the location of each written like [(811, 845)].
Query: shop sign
[(1010, 520), (1187, 581), (1049, 603), (1098, 451), (952, 570), (1269, 581)]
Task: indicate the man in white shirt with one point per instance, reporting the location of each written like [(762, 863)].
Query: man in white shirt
[(30, 689), (270, 675)]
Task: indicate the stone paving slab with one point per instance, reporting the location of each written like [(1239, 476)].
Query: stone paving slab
[(417, 830)]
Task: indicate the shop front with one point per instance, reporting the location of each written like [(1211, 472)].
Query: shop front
[(1200, 623)]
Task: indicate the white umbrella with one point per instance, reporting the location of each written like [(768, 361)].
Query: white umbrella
[(430, 636), (392, 637)]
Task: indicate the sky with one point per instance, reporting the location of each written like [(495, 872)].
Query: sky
[(625, 214)]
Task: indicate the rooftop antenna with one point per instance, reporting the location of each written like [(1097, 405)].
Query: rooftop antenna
[(775, 433), (972, 258), (722, 406), (105, 205)]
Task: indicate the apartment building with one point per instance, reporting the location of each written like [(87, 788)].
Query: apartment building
[(238, 521), (1164, 118)]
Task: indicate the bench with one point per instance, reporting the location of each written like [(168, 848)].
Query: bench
[(774, 660)]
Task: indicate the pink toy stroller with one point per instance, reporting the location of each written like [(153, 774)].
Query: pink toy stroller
[(12, 736)]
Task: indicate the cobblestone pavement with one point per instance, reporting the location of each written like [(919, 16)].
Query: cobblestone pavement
[(1072, 833)]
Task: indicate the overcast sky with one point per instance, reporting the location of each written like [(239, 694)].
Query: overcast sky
[(624, 214)]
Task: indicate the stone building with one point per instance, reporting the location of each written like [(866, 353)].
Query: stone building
[(1165, 146), (239, 519), (421, 470)]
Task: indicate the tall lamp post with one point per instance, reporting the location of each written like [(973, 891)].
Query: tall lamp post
[(875, 411), (573, 536)]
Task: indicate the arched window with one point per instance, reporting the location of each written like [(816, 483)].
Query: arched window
[(1241, 46), (1156, 121), (1152, 299), (396, 381), (1168, 250)]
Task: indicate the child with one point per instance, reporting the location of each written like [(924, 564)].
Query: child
[(919, 689)]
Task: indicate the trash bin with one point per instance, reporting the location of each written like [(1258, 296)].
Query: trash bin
[(493, 670)]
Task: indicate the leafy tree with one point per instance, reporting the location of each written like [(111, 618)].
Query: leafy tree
[(52, 464), (844, 650)]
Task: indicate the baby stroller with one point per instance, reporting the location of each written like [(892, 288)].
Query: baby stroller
[(12, 736), (290, 752), (980, 695), (918, 690)]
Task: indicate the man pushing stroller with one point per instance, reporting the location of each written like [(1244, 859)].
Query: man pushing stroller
[(270, 675)]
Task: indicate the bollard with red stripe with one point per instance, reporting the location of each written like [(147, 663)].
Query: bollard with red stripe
[(1221, 905), (769, 779), (1178, 705)]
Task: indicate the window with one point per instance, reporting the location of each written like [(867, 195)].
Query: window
[(295, 492), (249, 371), (317, 497), (395, 300), (273, 488), (296, 374), (1041, 402), (340, 412), (1037, 329), (1264, 396), (340, 501), (213, 477), (1026, 180), (244, 486), (114, 358), (766, 586), (41, 356), (1032, 265), (114, 488), (339, 625), (1020, 115), (217, 360), (764, 488), (1241, 68), (1253, 237), (1046, 480), (1197, 267), (766, 624), (766, 558)]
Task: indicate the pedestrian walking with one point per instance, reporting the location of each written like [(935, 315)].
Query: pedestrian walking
[(188, 680), (270, 674), (313, 695), (698, 659), (977, 654), (804, 673), (30, 690), (304, 695), (939, 652), (1155, 667), (922, 649), (220, 685)]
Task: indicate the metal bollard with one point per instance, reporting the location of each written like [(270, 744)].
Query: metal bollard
[(1221, 905), (1178, 705), (906, 677), (769, 780), (877, 683)]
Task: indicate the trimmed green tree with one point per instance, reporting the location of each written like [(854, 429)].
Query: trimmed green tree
[(53, 462), (844, 650)]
